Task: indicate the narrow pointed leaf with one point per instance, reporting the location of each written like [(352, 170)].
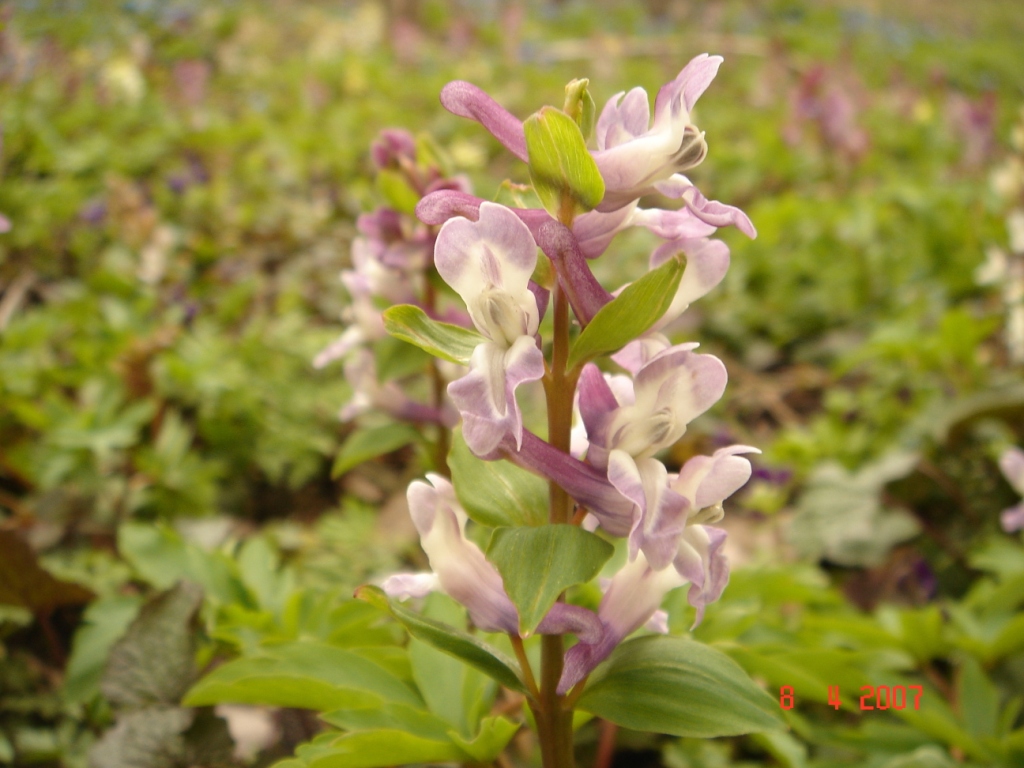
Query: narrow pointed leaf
[(630, 314), (679, 687), (449, 342), (369, 749), (538, 564), (306, 674), (444, 637), (563, 172)]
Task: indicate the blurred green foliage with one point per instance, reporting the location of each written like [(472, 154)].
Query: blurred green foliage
[(181, 180)]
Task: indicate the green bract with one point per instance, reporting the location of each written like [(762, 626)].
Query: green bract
[(539, 564), (449, 342), (628, 315), (496, 493), (564, 174)]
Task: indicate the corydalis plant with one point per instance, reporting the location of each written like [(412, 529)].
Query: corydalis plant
[(608, 483), (392, 263)]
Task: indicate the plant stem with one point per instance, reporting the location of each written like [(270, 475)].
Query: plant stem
[(437, 391), (554, 722)]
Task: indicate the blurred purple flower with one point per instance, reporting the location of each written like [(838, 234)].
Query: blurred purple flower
[(1012, 465)]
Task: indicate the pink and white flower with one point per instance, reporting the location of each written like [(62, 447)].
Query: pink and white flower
[(489, 263)]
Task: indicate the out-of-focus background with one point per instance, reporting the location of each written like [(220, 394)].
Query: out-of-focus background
[(179, 184)]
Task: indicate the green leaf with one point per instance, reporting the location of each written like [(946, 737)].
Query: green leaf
[(305, 674), (629, 314), (162, 631), (679, 687), (389, 715), (538, 564), (496, 493), (978, 698), (162, 557), (455, 692), (809, 672), (455, 642), (366, 444), (370, 749), (444, 340), (104, 621), (495, 733), (563, 172)]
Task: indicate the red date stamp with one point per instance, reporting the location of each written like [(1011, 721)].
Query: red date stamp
[(879, 697)]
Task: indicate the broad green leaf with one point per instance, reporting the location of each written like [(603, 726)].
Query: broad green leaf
[(162, 557), (260, 569), (1010, 638), (808, 672), (538, 564), (455, 642), (389, 715), (370, 749), (978, 698), (495, 733), (104, 621), (455, 692), (630, 314), (366, 444), (25, 584), (496, 493), (162, 631), (444, 340), (679, 687), (563, 172), (309, 675)]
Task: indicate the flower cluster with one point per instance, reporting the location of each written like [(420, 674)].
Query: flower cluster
[(487, 253), (392, 257)]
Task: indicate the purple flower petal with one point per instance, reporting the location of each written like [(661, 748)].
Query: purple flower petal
[(632, 599), (623, 118), (1012, 465), (461, 568), (586, 295), (406, 585), (707, 481), (486, 395), (678, 97), (466, 100), (1012, 519), (701, 561)]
